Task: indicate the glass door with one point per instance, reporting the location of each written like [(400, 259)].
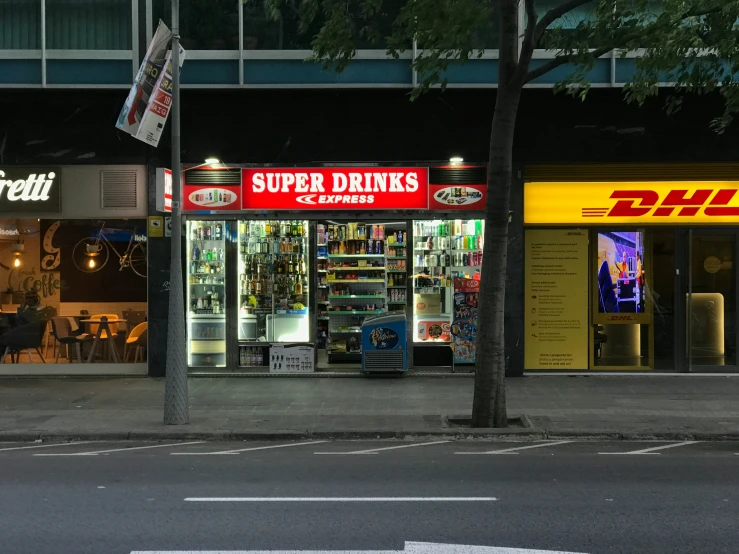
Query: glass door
[(711, 301)]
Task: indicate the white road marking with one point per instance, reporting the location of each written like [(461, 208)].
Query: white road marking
[(516, 449), (96, 452), (44, 445), (376, 450), (344, 499), (652, 450), (410, 548), (219, 453)]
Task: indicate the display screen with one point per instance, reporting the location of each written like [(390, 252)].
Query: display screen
[(620, 275)]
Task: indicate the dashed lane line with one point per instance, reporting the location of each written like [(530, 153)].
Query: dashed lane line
[(96, 452), (647, 451), (44, 445), (516, 449), (376, 450), (238, 451)]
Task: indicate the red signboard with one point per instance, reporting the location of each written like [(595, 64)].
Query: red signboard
[(203, 198), (329, 188), (457, 197)]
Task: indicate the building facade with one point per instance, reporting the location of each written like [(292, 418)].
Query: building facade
[(251, 100)]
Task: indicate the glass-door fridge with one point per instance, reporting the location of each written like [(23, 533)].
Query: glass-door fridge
[(206, 293)]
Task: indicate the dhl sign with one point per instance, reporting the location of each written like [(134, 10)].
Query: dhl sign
[(641, 202)]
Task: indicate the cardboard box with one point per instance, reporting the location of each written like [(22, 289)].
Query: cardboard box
[(427, 304), (291, 359)]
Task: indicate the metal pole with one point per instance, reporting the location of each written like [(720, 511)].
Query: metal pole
[(176, 410)]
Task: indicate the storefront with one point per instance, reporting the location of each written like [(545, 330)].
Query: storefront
[(73, 248), (631, 267), (303, 256)]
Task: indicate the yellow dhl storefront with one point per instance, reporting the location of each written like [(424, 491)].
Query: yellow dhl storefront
[(631, 267)]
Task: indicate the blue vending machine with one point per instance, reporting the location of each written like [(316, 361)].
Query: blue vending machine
[(384, 344)]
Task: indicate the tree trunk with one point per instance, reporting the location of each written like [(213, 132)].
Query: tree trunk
[(489, 405)]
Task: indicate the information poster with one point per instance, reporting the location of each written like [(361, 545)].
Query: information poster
[(556, 299), (464, 325)]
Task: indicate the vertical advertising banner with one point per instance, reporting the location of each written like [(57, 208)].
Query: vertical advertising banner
[(556, 299), (157, 109), (464, 324), (134, 108)]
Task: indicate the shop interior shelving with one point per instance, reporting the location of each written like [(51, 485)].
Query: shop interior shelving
[(273, 285), (206, 293), (356, 277), (442, 250), (397, 266)]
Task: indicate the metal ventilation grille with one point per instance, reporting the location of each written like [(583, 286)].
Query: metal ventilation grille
[(457, 176), (383, 360), (118, 188), (213, 177)]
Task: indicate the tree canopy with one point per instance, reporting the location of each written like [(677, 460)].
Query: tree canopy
[(690, 45)]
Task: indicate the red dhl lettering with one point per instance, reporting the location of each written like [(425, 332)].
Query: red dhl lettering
[(679, 202)]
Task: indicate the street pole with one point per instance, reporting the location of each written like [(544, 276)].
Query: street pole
[(176, 409)]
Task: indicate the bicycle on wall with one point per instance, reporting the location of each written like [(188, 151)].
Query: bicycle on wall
[(91, 254)]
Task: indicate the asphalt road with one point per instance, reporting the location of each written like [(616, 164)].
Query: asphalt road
[(595, 498)]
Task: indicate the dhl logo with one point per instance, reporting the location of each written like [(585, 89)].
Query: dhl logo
[(641, 203)]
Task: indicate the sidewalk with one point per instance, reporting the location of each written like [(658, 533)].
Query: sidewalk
[(618, 406)]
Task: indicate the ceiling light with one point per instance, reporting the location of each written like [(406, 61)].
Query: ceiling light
[(212, 161), (455, 160)]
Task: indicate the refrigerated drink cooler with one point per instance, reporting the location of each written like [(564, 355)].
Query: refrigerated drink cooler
[(384, 347)]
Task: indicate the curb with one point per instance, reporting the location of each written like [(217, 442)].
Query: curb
[(349, 434)]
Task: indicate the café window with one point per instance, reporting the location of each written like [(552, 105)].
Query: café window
[(442, 250), (73, 291)]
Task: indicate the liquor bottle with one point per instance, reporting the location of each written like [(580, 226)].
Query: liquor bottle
[(219, 232), (390, 281), (301, 230), (298, 286), (207, 268), (208, 255), (290, 266), (301, 265), (259, 286), (195, 252)]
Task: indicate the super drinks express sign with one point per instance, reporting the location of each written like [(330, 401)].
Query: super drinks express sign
[(353, 188)]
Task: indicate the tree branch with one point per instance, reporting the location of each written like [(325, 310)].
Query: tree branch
[(527, 48), (561, 60), (555, 13)]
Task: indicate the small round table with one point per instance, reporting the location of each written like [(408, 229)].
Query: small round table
[(103, 325)]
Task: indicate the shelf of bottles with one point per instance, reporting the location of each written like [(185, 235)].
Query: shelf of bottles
[(397, 270), (356, 281), (442, 250), (273, 283), (206, 293)]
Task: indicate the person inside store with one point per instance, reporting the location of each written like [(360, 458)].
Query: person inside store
[(607, 290), (30, 311)]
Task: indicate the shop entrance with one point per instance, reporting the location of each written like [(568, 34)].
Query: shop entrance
[(710, 300)]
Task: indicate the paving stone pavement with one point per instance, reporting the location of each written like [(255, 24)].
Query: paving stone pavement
[(589, 405)]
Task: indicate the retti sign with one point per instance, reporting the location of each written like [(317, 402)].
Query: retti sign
[(31, 190), (643, 203)]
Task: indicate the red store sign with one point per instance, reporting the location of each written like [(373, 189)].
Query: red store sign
[(355, 188)]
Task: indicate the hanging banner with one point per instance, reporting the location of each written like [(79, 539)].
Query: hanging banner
[(134, 108), (355, 188), (556, 299), (157, 109), (464, 324)]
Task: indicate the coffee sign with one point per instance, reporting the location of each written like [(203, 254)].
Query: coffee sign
[(30, 189)]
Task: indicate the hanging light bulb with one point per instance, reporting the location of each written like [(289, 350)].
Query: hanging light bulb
[(17, 262), (91, 263)]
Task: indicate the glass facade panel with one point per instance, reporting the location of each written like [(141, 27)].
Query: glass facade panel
[(442, 250), (206, 293), (211, 25), (88, 24), (20, 25), (75, 291)]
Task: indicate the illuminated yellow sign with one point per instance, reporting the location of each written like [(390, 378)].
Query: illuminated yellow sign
[(640, 202)]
